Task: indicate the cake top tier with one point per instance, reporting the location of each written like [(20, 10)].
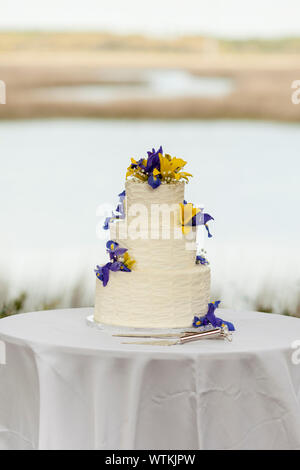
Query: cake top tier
[(139, 192), (157, 168), (158, 180)]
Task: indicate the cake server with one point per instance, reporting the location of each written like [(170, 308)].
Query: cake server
[(155, 335), (187, 338)]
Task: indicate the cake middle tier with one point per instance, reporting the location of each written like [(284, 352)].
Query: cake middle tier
[(153, 252), (154, 298)]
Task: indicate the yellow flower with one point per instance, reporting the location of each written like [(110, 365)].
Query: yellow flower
[(136, 172), (129, 262), (165, 165), (177, 163), (183, 175), (170, 168), (144, 162), (187, 212)]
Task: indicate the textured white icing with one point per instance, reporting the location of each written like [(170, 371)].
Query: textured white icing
[(142, 200), (153, 299), (156, 253), (165, 289), (140, 192)]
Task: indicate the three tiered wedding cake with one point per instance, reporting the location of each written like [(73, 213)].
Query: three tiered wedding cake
[(153, 241)]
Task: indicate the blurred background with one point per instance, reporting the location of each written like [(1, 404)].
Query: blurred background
[(90, 85)]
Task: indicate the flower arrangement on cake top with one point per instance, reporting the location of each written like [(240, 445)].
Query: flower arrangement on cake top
[(158, 168), (119, 261)]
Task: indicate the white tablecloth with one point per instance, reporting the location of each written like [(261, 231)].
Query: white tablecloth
[(69, 386)]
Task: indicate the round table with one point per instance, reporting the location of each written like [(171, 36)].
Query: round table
[(66, 385)]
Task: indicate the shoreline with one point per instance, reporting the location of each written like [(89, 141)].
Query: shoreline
[(260, 94)]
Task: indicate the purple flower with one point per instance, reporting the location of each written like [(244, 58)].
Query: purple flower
[(111, 245), (153, 161), (154, 181), (114, 250), (197, 322), (210, 316), (115, 266), (138, 164), (102, 273), (120, 211), (124, 268), (106, 223), (208, 232), (207, 218), (211, 319), (201, 219)]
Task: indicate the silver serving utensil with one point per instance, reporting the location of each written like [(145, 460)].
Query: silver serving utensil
[(155, 335), (187, 338)]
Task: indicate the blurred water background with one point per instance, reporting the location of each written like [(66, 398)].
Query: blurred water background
[(56, 172), (141, 84), (81, 102)]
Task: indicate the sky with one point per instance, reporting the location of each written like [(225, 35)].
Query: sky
[(223, 18)]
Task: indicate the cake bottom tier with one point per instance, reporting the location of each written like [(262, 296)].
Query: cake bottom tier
[(153, 299)]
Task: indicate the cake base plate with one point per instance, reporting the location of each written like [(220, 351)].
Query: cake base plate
[(114, 329)]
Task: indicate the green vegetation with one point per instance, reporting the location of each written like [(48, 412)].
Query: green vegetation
[(258, 46), (95, 41), (18, 305), (101, 41), (14, 306)]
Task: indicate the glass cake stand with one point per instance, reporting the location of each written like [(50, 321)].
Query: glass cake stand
[(113, 329)]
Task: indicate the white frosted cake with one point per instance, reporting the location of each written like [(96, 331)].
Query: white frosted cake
[(164, 284)]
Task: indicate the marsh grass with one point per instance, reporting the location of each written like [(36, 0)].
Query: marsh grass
[(77, 296), (14, 306), (263, 303), (46, 41)]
